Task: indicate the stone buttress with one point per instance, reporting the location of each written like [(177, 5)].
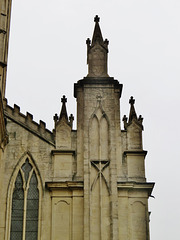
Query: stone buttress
[(111, 161)]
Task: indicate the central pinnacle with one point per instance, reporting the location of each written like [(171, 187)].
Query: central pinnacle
[(97, 53)]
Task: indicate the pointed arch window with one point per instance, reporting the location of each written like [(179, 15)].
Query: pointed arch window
[(25, 204)]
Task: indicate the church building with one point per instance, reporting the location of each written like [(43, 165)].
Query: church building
[(73, 184)]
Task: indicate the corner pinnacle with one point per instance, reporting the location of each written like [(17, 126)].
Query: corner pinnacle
[(132, 114)]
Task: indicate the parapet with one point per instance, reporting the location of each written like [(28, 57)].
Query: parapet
[(26, 121)]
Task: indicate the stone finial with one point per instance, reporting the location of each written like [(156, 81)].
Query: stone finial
[(131, 100), (125, 122), (88, 41), (55, 118), (71, 119), (96, 19), (64, 99), (140, 119), (106, 42)]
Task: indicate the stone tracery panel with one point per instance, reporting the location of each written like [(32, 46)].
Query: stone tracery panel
[(99, 175), (94, 139), (99, 135), (104, 138)]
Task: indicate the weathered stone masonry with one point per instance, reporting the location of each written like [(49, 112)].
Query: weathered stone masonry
[(84, 184)]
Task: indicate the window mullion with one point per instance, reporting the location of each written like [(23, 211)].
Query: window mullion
[(25, 210), (26, 188)]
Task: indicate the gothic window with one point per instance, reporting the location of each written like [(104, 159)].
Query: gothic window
[(25, 205)]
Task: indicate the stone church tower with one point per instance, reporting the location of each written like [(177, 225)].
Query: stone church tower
[(84, 184)]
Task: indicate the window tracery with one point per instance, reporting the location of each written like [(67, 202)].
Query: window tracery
[(25, 204)]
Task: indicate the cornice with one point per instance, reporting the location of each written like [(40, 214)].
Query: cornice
[(137, 153), (145, 186), (94, 82), (64, 185)]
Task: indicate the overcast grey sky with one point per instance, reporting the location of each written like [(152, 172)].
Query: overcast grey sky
[(47, 56)]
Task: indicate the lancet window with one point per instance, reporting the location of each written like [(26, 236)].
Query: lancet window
[(25, 204)]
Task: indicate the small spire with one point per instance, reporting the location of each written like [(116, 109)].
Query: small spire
[(63, 109), (132, 114), (97, 35)]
